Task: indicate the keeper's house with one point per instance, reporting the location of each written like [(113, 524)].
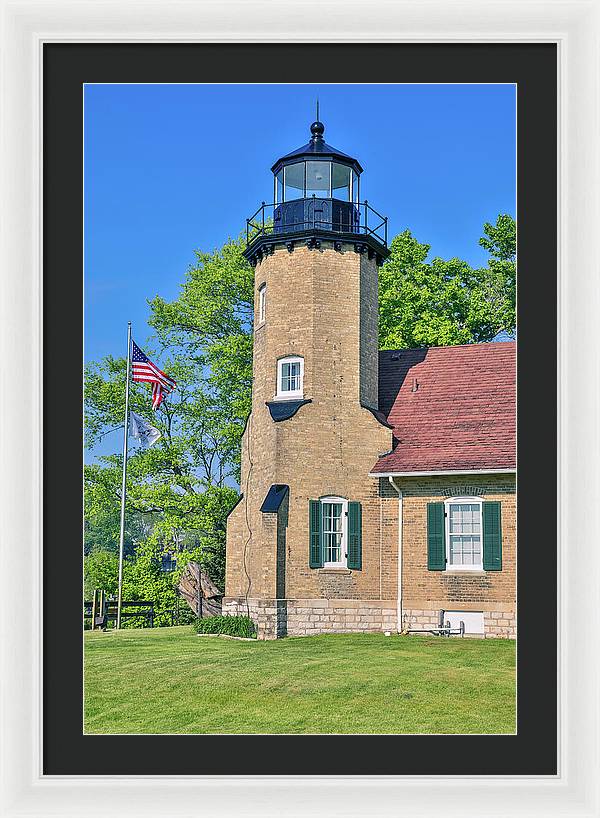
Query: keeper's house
[(378, 488)]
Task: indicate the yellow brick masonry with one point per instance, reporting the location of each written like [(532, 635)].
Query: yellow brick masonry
[(319, 302)]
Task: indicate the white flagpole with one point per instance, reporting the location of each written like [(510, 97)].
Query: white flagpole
[(124, 483)]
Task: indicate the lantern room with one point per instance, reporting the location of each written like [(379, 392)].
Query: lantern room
[(318, 170), (316, 196)]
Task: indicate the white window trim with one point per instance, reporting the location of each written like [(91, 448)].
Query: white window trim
[(472, 501), (343, 563), (296, 393), (262, 304)]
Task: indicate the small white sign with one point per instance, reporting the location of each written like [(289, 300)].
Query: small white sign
[(473, 620)]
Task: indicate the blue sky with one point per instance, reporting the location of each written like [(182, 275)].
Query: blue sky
[(172, 168)]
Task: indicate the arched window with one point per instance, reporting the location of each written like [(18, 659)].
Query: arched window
[(464, 533), (262, 303), (290, 378)]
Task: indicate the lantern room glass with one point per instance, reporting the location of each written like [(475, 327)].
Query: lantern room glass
[(318, 179), (355, 183), (279, 187), (322, 179), (293, 186), (341, 182)]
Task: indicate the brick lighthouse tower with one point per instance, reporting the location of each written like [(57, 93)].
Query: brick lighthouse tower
[(305, 545)]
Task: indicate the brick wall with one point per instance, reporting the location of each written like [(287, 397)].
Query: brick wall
[(426, 592)]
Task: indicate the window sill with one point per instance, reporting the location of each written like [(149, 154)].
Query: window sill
[(465, 572), (340, 570), (292, 396)]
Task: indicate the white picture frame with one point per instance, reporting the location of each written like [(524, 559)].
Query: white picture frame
[(575, 26)]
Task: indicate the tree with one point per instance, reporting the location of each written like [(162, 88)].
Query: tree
[(439, 303), (178, 491), (100, 570), (211, 321)]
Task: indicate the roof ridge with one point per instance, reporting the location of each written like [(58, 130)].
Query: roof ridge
[(453, 346)]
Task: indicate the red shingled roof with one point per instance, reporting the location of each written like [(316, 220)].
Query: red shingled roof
[(451, 408)]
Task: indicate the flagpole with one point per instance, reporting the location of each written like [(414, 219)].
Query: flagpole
[(124, 483)]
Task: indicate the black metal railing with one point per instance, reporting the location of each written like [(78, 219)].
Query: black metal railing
[(300, 215)]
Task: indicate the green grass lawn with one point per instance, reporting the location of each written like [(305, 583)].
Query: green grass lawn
[(168, 680)]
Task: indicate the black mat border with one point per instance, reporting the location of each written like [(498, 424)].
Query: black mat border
[(534, 68)]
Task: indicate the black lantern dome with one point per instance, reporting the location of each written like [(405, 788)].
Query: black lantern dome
[(316, 198)]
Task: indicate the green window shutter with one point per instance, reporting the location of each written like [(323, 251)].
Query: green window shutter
[(315, 549), (354, 536), (492, 536), (436, 537)]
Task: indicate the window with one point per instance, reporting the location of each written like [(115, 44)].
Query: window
[(340, 182), (318, 180), (335, 533), (290, 378), (333, 518), (279, 187), (168, 563), (293, 182), (464, 534), (262, 303)]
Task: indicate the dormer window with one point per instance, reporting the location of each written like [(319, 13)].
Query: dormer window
[(290, 378), (262, 303)]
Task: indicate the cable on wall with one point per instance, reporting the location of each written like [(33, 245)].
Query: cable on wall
[(249, 580)]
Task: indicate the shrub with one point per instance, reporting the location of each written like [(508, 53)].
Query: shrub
[(229, 625)]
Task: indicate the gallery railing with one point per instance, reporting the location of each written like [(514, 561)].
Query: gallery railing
[(302, 215)]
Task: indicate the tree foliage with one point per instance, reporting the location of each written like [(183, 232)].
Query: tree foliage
[(439, 302), (180, 490)]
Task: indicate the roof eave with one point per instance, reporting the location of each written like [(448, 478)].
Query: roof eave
[(442, 472)]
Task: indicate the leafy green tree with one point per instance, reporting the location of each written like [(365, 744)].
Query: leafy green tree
[(100, 570), (439, 303), (211, 321), (179, 491)]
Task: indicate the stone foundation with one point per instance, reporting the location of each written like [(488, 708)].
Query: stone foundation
[(275, 618), (496, 623), (500, 623), (269, 615)]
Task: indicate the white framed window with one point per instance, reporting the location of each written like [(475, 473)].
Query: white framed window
[(262, 303), (464, 534), (290, 378), (334, 530)]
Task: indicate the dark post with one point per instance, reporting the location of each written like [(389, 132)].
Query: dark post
[(199, 593), (94, 604)]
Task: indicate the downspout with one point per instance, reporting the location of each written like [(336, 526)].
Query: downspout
[(399, 492)]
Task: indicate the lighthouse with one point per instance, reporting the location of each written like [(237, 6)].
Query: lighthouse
[(307, 534)]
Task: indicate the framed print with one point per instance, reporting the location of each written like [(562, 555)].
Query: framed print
[(411, 531), (451, 521)]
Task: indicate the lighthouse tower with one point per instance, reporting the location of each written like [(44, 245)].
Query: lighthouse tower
[(305, 543)]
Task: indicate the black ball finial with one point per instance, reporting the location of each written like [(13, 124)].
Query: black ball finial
[(317, 130)]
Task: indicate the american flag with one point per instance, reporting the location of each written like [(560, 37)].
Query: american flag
[(145, 370)]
